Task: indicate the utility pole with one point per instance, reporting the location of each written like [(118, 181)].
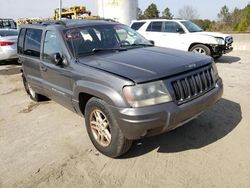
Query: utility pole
[(102, 10), (60, 9)]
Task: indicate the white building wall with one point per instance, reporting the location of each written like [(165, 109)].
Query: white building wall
[(122, 11)]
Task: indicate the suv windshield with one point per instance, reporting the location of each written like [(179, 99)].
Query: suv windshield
[(91, 39), (191, 27)]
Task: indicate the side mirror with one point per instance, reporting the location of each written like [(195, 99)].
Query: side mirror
[(180, 30), (58, 60), (152, 42)]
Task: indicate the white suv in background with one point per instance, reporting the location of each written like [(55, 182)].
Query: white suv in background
[(184, 35)]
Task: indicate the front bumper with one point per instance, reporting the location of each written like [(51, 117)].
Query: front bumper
[(221, 49), (136, 123)]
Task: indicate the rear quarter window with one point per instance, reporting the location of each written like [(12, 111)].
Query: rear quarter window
[(137, 25), (32, 42)]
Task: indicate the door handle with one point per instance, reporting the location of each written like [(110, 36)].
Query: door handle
[(42, 68)]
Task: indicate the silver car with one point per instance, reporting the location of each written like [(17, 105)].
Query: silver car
[(8, 43)]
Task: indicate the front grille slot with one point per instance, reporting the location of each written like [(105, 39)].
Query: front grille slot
[(194, 85)]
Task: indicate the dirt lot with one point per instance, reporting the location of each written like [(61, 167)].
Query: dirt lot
[(45, 145)]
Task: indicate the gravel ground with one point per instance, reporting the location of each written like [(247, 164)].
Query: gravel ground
[(45, 145)]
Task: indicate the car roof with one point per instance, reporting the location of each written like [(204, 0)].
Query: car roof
[(7, 29), (68, 23), (6, 19), (158, 20)]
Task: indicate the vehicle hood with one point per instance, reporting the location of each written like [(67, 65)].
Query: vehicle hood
[(212, 34), (146, 64)]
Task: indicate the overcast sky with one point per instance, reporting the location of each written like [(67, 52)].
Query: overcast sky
[(44, 8)]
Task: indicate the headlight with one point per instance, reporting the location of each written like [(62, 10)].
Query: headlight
[(147, 94), (220, 41), (215, 71)]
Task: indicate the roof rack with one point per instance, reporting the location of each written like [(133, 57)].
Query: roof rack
[(177, 18), (57, 22)]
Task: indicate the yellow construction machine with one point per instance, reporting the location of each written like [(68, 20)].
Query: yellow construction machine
[(74, 12)]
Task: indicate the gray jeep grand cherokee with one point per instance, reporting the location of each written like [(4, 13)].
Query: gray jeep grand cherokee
[(124, 86)]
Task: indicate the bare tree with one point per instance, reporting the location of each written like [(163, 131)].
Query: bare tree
[(225, 15), (188, 13)]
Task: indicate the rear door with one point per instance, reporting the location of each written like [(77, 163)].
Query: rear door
[(154, 32), (56, 79), (29, 46)]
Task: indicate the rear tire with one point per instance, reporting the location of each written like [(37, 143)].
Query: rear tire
[(103, 129), (33, 95), (201, 49)]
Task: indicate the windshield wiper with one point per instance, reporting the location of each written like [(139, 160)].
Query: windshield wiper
[(93, 51), (139, 45), (144, 45), (108, 49)]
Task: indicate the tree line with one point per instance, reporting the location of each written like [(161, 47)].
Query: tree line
[(237, 20)]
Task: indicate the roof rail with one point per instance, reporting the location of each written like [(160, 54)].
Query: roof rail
[(177, 18), (57, 22)]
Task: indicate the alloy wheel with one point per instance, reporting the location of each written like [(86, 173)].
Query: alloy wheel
[(199, 50), (100, 127)]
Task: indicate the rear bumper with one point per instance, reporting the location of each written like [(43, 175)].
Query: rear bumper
[(8, 53), (136, 123)]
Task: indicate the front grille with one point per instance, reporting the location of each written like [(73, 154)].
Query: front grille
[(194, 85)]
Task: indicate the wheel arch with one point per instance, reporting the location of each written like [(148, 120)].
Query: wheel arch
[(196, 43), (85, 90)]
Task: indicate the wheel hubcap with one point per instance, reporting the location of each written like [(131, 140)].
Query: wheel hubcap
[(199, 50), (100, 128)]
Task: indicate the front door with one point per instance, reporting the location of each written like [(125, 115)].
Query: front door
[(173, 36), (57, 79)]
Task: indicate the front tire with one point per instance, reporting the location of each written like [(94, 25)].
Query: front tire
[(201, 49), (103, 129)]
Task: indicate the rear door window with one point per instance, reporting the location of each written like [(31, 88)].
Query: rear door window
[(32, 43), (20, 42), (155, 26)]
